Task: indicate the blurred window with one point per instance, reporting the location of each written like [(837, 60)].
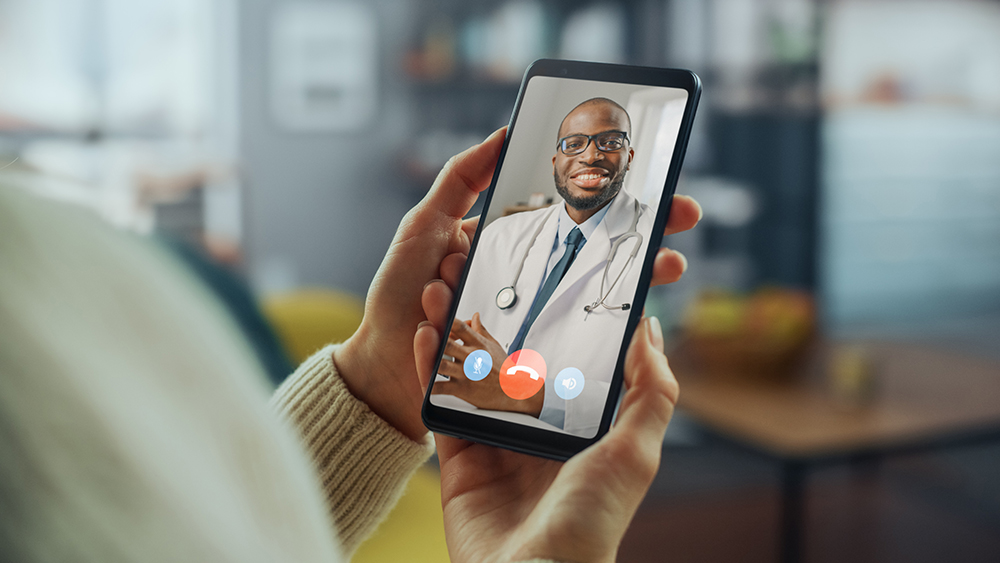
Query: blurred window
[(911, 181), (126, 106), (111, 66)]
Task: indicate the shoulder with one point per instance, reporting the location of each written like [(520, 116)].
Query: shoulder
[(646, 213), (517, 222)]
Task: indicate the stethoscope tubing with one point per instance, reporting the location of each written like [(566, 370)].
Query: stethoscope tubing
[(507, 296)]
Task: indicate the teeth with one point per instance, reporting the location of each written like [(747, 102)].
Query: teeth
[(589, 176)]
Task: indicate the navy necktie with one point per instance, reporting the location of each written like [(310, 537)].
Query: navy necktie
[(555, 276)]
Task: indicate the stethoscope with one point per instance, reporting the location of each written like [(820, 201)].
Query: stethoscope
[(508, 296)]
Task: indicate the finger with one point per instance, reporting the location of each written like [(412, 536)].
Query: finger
[(451, 269), (462, 331), (685, 212), (635, 442), (425, 347), (619, 468), (451, 348), (652, 391), (452, 369), (465, 175), (668, 266), (477, 325), (462, 244), (436, 302), (469, 226)]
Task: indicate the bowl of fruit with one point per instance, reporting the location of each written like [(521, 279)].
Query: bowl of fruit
[(762, 334)]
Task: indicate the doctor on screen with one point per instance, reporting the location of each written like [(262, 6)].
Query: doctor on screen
[(550, 290)]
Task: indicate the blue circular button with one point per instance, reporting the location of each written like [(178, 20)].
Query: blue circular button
[(569, 383), (478, 365)]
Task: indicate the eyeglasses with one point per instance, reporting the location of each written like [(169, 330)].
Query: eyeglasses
[(607, 141)]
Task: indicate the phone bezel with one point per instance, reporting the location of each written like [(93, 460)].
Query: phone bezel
[(536, 441)]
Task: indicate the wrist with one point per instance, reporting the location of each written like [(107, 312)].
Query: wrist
[(531, 406), (376, 380)]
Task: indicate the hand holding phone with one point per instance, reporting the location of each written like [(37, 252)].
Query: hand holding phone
[(431, 245), (431, 242), (501, 505), (559, 288)]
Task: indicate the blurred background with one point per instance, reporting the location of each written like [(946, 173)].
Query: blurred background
[(846, 153)]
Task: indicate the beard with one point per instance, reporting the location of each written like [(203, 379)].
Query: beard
[(593, 201)]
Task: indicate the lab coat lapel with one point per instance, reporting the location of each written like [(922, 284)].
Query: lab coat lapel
[(537, 259), (594, 254)]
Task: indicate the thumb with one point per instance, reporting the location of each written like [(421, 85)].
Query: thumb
[(652, 389), (425, 346), (465, 175), (477, 325), (647, 406)]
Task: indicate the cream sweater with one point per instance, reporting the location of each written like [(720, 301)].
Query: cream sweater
[(362, 461), (134, 420)]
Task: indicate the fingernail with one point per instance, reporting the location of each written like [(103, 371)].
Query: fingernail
[(683, 259), (494, 134), (701, 212), (423, 324), (433, 281), (655, 333)]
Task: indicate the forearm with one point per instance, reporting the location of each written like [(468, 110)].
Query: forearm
[(362, 461)]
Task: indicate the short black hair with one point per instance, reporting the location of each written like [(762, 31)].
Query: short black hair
[(591, 101)]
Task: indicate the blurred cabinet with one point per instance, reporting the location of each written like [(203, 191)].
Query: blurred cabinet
[(776, 152), (466, 59), (758, 123), (911, 213)]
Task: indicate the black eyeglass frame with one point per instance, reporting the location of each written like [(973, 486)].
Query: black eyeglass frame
[(592, 138)]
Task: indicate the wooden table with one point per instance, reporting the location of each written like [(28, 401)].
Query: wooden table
[(923, 399)]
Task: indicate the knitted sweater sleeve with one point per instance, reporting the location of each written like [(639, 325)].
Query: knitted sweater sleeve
[(363, 462)]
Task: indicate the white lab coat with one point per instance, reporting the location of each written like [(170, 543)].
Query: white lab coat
[(564, 334)]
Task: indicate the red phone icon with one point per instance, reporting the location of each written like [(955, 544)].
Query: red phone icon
[(522, 374)]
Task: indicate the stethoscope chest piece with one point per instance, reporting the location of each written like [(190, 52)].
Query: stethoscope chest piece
[(506, 297)]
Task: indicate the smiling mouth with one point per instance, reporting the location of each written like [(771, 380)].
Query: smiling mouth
[(590, 180)]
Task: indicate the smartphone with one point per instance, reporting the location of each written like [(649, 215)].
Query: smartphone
[(562, 258)]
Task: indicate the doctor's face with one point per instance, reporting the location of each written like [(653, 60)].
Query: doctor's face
[(590, 179)]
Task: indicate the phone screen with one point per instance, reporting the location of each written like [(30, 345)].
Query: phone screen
[(550, 285)]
